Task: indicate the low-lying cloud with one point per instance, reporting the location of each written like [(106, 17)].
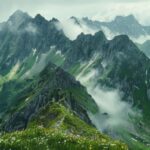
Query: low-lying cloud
[(114, 113), (31, 28), (72, 30)]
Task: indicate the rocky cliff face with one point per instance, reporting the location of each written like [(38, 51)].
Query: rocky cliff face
[(30, 36), (111, 65), (115, 62), (52, 85)]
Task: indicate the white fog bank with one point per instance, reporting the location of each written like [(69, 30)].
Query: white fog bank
[(114, 113), (73, 29)]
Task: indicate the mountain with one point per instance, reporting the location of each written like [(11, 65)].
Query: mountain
[(52, 107), (115, 72), (121, 56), (51, 84), (104, 66), (26, 92), (17, 19), (127, 25), (32, 42)]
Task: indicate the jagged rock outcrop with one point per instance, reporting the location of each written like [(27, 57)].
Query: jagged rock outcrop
[(53, 84)]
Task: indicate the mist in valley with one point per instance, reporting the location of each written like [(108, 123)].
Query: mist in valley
[(114, 113)]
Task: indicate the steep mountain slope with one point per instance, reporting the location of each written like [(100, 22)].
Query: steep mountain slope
[(31, 38), (104, 66), (115, 72), (56, 127), (117, 58), (51, 109), (52, 84)]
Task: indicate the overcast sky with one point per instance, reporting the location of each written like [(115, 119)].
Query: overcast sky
[(63, 9)]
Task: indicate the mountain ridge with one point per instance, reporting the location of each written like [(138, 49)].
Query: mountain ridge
[(114, 64)]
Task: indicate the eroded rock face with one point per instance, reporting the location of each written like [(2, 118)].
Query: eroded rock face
[(54, 85), (28, 33)]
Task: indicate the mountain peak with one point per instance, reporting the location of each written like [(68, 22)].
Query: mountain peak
[(18, 12), (39, 18), (41, 21), (54, 20), (73, 18), (124, 43), (100, 35), (85, 18), (18, 15), (128, 19), (122, 38), (83, 36), (17, 18), (76, 20)]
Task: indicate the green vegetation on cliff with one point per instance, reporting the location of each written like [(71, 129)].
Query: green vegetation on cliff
[(56, 127)]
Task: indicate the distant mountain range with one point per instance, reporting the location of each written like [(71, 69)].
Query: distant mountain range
[(121, 25), (115, 72), (127, 25)]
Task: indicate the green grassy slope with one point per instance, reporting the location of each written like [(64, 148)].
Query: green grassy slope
[(56, 127)]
